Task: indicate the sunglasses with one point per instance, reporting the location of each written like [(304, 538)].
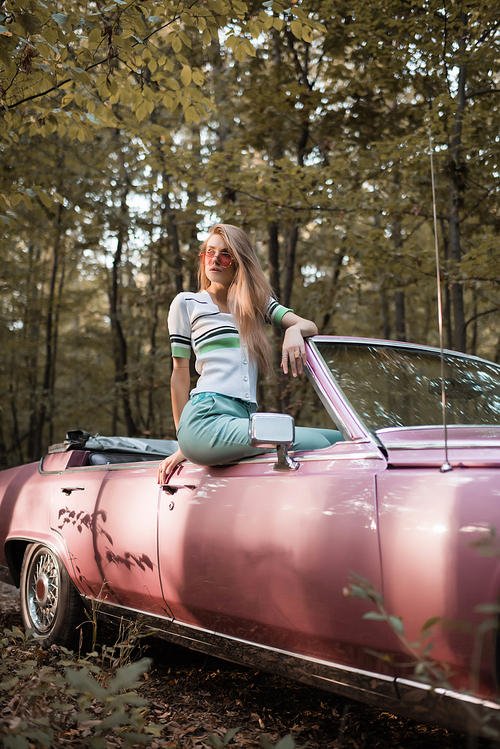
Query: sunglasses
[(207, 257)]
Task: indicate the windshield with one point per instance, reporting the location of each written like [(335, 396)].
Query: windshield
[(390, 386)]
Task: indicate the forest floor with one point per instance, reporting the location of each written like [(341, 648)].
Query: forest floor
[(193, 696)]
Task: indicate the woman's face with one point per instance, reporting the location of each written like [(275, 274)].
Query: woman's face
[(216, 255)]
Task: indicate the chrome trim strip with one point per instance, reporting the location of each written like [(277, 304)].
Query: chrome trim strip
[(271, 458), (106, 467), (461, 696), (459, 445), (434, 427), (317, 456), (400, 696), (398, 344), (356, 428), (332, 413)]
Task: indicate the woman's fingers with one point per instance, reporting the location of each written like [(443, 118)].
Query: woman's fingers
[(297, 359), (168, 464)]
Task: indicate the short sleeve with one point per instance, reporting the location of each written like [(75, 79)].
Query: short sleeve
[(275, 312), (179, 328)]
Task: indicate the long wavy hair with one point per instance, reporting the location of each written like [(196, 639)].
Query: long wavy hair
[(248, 295)]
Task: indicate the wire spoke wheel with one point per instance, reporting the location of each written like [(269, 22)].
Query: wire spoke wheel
[(50, 604), (43, 584)]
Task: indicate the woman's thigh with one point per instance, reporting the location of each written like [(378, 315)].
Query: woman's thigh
[(308, 438), (215, 430)]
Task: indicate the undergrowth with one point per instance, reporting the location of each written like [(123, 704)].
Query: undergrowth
[(54, 698)]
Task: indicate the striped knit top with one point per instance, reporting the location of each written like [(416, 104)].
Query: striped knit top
[(222, 360)]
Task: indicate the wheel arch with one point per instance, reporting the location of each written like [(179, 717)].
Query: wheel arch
[(15, 549)]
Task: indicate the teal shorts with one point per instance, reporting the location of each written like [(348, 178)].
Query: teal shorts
[(214, 430)]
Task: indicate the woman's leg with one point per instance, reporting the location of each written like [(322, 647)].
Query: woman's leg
[(214, 430), (308, 438)]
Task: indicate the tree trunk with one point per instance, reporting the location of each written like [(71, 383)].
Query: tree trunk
[(457, 190), (173, 235), (399, 303), (120, 344), (154, 276), (399, 294), (290, 251), (273, 258), (447, 297), (384, 315), (31, 340), (328, 316), (46, 398)]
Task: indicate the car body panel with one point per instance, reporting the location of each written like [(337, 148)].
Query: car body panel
[(110, 526), (261, 557), (428, 523), (251, 563)]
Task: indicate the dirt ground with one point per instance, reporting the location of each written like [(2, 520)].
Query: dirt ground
[(194, 695)]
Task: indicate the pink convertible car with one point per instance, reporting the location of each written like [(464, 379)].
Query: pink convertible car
[(250, 561)]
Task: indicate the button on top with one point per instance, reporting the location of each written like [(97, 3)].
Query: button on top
[(244, 361), (245, 378)]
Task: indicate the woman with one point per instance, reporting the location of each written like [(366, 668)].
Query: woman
[(224, 323)]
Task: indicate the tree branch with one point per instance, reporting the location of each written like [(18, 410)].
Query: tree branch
[(481, 314)]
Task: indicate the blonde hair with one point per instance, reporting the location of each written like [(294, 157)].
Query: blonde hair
[(248, 295)]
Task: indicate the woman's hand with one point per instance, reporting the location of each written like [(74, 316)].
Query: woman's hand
[(294, 350), (168, 464)]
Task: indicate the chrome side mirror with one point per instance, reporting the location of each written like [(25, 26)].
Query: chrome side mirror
[(274, 430)]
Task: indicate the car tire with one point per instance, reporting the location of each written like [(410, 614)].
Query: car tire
[(50, 603)]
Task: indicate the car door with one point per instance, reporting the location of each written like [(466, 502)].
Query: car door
[(263, 555), (108, 518)]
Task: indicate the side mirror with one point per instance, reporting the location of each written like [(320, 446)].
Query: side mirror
[(274, 430)]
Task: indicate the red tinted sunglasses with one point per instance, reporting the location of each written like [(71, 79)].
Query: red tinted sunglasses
[(207, 257)]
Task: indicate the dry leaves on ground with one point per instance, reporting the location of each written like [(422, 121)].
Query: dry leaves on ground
[(191, 696)]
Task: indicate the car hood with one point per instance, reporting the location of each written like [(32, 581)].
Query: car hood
[(425, 446)]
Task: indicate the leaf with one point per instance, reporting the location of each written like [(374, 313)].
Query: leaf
[(374, 616), (191, 115), (128, 675), (60, 18), (29, 21), (85, 683), (15, 742), (296, 28), (488, 608), (46, 199), (430, 623), (176, 44), (186, 75), (397, 624), (287, 742)]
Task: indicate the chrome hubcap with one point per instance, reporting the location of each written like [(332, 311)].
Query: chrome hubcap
[(43, 590)]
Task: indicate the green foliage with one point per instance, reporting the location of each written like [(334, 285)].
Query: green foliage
[(218, 743), (50, 698), (426, 668), (56, 693), (129, 128)]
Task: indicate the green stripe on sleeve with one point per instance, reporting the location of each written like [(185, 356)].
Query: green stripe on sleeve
[(279, 314), (183, 352)]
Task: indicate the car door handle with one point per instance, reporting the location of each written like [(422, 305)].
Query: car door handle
[(68, 489), (173, 489)]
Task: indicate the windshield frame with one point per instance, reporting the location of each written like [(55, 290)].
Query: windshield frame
[(336, 402)]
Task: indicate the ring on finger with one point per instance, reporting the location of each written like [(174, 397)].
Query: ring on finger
[(297, 354)]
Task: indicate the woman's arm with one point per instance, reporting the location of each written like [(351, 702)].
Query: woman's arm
[(296, 329), (179, 389)]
